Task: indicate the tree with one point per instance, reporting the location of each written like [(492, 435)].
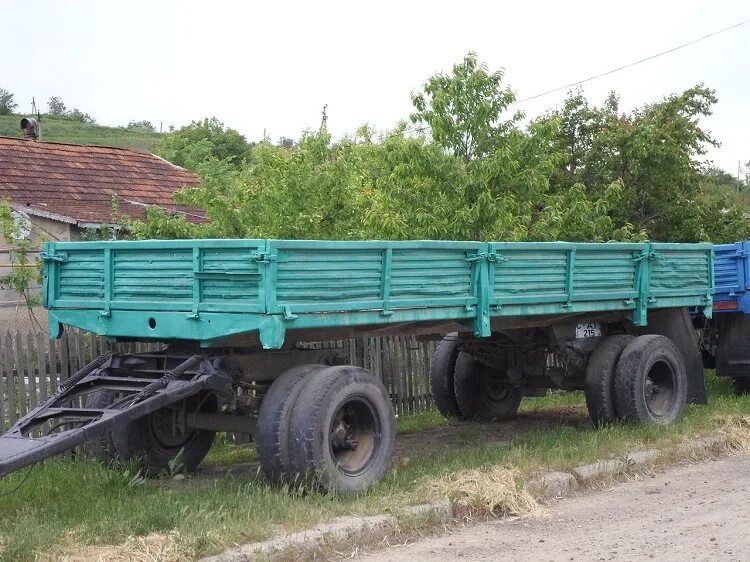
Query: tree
[(463, 110), (76, 114), (7, 103), (56, 107), (578, 173), (193, 144), (655, 152), (146, 126)]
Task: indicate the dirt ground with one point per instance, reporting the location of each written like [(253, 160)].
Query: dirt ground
[(691, 512), (410, 444), (501, 432)]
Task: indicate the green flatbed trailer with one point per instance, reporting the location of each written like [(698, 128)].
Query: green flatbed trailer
[(515, 319)]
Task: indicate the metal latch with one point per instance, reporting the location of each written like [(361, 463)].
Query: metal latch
[(488, 256), (262, 257), (53, 257), (651, 255)]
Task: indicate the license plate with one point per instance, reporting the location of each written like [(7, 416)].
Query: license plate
[(589, 330)]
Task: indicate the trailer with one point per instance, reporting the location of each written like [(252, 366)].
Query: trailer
[(514, 320), (725, 344)]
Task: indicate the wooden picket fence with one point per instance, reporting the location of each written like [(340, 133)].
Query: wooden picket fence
[(32, 366)]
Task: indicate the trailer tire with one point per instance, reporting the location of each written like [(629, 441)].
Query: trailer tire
[(600, 379), (147, 440), (343, 430), (651, 381), (479, 393), (101, 447), (274, 420), (741, 386), (442, 371)]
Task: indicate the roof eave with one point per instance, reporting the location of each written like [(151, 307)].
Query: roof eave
[(62, 218)]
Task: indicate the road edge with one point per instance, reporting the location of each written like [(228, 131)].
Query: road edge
[(347, 532)]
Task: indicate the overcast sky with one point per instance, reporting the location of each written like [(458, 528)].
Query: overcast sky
[(273, 65)]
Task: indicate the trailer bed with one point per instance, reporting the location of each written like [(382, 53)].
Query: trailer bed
[(208, 290)]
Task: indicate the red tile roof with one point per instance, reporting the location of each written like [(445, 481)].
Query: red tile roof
[(75, 183)]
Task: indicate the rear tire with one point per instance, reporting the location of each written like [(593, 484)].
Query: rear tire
[(343, 430), (442, 371), (600, 379), (153, 443), (101, 447), (650, 381), (480, 392), (741, 386), (274, 420)]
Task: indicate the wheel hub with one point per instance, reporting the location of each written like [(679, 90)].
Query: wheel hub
[(494, 388), (354, 436), (342, 436), (659, 388)]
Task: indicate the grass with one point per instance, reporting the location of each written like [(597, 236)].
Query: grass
[(62, 130), (68, 507)]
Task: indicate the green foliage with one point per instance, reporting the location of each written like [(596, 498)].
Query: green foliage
[(24, 271), (76, 114), (654, 152), (578, 173), (192, 145), (463, 109), (7, 103), (56, 108), (144, 125)]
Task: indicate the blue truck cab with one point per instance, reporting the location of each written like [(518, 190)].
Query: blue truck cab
[(725, 339)]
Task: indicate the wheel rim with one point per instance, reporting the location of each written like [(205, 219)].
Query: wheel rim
[(493, 389), (163, 431), (660, 388), (354, 436)]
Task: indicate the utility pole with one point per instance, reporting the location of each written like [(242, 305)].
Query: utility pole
[(324, 119), (35, 109), (739, 166)]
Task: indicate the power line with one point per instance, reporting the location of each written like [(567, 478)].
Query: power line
[(646, 59), (171, 210)]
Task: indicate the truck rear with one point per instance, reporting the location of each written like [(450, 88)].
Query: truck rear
[(725, 339)]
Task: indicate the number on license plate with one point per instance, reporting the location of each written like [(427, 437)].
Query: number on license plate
[(588, 330)]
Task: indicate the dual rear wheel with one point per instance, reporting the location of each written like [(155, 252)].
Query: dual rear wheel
[(331, 426), (465, 388), (637, 379)]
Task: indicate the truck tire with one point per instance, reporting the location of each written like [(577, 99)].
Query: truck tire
[(741, 385), (650, 381), (101, 447), (151, 442), (600, 379), (441, 376), (274, 419), (480, 394), (343, 430)]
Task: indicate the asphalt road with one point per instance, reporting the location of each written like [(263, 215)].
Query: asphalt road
[(691, 512)]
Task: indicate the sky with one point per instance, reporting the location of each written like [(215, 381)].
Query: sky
[(271, 66)]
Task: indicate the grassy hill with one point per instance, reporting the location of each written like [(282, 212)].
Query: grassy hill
[(62, 130)]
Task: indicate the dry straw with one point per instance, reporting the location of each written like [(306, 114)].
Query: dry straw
[(492, 491)]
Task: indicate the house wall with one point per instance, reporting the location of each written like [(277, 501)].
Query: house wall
[(14, 313)]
